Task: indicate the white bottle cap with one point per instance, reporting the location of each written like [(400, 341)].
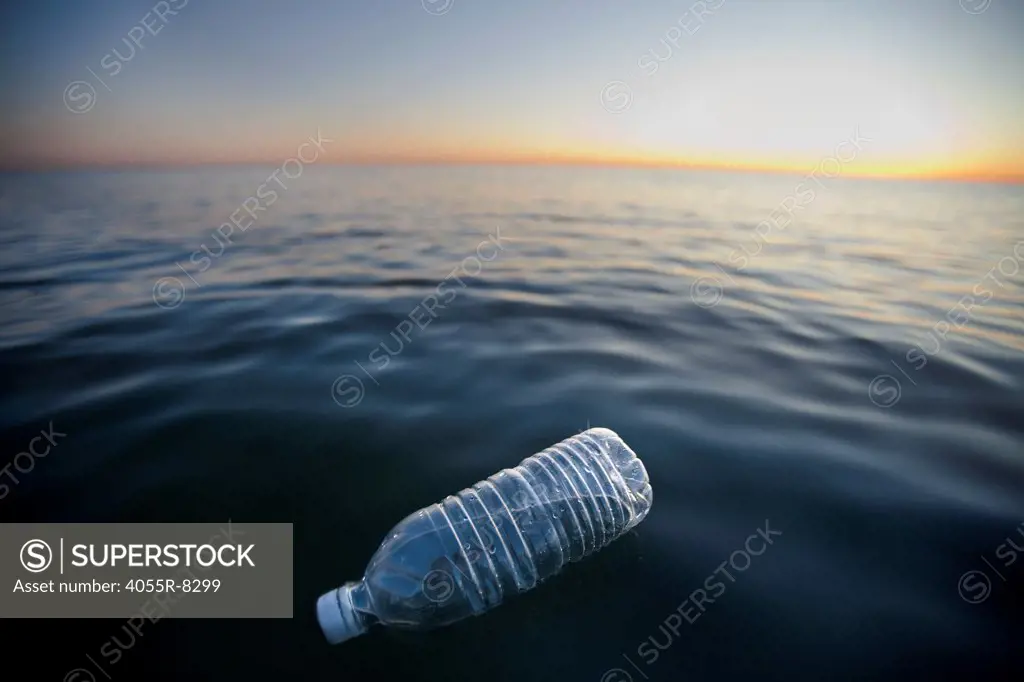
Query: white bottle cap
[(337, 616)]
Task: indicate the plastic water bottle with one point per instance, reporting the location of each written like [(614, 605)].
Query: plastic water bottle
[(501, 537)]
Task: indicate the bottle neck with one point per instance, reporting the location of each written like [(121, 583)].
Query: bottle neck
[(362, 603)]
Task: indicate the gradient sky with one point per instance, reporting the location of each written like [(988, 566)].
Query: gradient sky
[(761, 83)]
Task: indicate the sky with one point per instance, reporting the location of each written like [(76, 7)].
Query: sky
[(935, 85)]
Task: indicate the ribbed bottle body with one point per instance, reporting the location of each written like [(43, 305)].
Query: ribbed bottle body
[(522, 525)]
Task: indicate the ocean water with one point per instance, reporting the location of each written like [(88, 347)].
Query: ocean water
[(847, 381)]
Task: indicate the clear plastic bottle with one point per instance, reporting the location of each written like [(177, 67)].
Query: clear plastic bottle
[(501, 537)]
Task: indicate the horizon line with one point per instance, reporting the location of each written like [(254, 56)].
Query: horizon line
[(553, 161)]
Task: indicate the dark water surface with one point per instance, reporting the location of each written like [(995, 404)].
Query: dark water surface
[(737, 366)]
